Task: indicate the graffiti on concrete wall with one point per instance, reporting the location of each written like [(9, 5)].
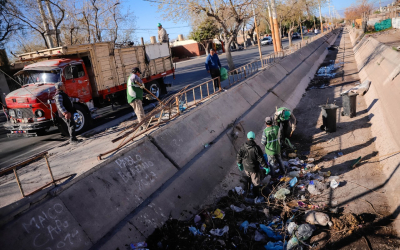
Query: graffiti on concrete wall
[(137, 170)]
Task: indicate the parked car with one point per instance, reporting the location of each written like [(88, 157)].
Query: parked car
[(316, 31), (296, 35), (266, 41)]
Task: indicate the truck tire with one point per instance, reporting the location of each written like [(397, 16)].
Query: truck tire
[(82, 118), (154, 87)]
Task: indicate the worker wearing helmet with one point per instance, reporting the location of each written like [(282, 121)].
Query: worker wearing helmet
[(134, 90), (162, 34), (285, 120), (250, 159)]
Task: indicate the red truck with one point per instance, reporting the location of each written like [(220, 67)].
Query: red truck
[(95, 73)]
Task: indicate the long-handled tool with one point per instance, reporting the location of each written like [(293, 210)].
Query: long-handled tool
[(358, 160)]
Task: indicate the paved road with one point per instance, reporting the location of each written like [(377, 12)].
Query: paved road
[(188, 72)]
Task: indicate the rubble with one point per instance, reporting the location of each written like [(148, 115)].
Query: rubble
[(284, 216)]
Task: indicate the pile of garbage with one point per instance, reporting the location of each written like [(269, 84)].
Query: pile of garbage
[(283, 217)]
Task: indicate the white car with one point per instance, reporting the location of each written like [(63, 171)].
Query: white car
[(316, 31), (266, 40)]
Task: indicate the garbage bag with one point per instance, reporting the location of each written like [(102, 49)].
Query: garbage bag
[(274, 245), (317, 218), (281, 193), (223, 74), (270, 233), (219, 231), (305, 231)]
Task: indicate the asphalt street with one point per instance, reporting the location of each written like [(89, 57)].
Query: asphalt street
[(191, 72)]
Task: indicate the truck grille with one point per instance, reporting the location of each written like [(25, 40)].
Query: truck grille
[(23, 113)]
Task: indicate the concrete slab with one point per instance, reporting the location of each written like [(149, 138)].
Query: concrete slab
[(247, 93), (290, 62), (113, 191), (48, 226), (183, 139)]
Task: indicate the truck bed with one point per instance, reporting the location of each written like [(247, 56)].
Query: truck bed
[(110, 66)]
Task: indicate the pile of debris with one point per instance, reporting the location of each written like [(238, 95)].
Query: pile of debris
[(286, 216)]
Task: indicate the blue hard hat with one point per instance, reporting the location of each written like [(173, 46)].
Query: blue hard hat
[(251, 135)]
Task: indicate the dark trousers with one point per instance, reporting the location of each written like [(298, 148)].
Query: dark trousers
[(215, 73), (285, 130), (71, 127)]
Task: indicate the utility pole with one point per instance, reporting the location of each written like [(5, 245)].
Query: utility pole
[(276, 26), (320, 15), (258, 35), (53, 22), (46, 26), (272, 27)]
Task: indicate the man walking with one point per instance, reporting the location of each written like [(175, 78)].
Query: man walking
[(66, 110), (270, 139), (285, 119), (249, 158), (212, 66), (162, 34), (134, 92)]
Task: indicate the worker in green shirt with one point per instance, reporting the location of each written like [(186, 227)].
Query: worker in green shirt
[(270, 139), (134, 91), (285, 120)]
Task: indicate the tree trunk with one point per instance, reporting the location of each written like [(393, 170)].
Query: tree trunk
[(207, 47), (290, 37), (228, 54)]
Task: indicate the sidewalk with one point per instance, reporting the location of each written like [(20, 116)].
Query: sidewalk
[(361, 194)]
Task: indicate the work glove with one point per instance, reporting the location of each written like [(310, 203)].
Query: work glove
[(240, 166), (267, 170)]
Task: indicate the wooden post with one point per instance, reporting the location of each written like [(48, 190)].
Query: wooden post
[(19, 183), (153, 40), (142, 41)]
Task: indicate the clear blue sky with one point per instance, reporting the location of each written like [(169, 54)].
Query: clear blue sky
[(147, 17)]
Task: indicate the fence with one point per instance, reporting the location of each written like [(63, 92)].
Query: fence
[(31, 159)]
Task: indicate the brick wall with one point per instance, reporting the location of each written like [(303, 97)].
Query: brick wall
[(188, 50)]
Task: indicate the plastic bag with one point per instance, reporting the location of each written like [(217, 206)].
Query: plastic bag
[(304, 232), (195, 231), (274, 245), (281, 193), (219, 214), (334, 184), (270, 232), (236, 209), (219, 231), (223, 74), (293, 243), (259, 236), (244, 226), (293, 182), (138, 245), (292, 227)]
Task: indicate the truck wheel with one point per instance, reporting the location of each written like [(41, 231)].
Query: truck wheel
[(154, 88), (82, 118)]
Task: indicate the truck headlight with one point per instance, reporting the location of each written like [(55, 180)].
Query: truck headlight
[(12, 113), (39, 113)]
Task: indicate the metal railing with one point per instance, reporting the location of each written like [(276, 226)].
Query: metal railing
[(199, 93), (241, 73), (31, 159)]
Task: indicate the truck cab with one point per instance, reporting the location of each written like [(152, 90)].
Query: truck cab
[(32, 108)]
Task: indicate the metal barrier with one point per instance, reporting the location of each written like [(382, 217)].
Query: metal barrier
[(242, 72), (31, 159), (198, 94)]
